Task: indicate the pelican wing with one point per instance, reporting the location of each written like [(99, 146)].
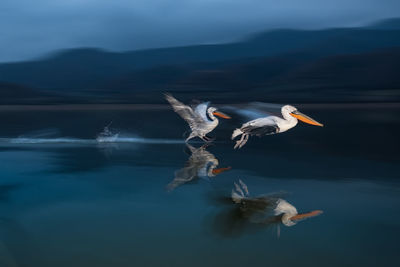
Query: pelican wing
[(201, 110), (260, 130), (186, 112), (261, 126)]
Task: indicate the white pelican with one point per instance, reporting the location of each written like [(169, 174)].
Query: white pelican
[(201, 163), (201, 118), (271, 125), (267, 209)]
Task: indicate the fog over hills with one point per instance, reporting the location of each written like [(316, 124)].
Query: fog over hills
[(343, 64)]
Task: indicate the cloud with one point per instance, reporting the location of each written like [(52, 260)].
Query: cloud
[(32, 28)]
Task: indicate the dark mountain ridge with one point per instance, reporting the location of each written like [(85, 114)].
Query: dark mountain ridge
[(289, 63), (81, 69), (371, 76)]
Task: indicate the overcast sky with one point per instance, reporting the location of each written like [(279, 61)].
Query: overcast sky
[(31, 28)]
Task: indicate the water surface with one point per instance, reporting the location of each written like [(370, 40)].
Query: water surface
[(148, 200)]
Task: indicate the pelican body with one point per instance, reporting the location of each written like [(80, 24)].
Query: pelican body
[(271, 125), (201, 118)]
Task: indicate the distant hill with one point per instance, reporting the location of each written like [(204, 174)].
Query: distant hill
[(371, 76), (319, 65), (82, 69)]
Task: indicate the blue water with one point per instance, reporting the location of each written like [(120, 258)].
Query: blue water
[(74, 202)]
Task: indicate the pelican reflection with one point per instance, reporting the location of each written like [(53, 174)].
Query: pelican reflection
[(267, 209), (250, 214), (201, 163)]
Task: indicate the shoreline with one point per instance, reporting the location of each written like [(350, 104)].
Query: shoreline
[(77, 107)]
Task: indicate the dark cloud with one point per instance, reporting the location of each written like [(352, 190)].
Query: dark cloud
[(31, 28)]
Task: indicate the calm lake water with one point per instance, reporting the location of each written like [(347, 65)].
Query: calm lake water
[(150, 200)]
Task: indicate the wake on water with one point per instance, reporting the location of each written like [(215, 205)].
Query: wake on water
[(66, 140)]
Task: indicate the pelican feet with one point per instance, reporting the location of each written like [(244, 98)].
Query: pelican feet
[(208, 139), (242, 141)]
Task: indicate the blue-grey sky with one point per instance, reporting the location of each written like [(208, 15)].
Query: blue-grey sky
[(31, 28)]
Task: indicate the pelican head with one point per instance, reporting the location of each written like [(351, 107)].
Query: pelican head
[(212, 112), (292, 111)]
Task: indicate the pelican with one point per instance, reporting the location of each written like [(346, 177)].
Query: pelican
[(201, 163), (267, 209), (201, 118), (271, 125)]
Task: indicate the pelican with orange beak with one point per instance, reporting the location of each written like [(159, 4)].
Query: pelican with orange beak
[(201, 118), (271, 125)]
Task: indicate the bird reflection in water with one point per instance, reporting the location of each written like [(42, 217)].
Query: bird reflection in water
[(256, 213), (201, 163), (267, 208)]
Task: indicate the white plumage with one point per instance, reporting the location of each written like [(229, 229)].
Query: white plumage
[(271, 125), (201, 118)]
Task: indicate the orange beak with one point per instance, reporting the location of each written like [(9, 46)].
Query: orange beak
[(220, 170), (306, 215), (304, 118), (222, 115)]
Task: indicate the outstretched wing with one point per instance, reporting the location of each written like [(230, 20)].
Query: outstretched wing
[(186, 112)]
